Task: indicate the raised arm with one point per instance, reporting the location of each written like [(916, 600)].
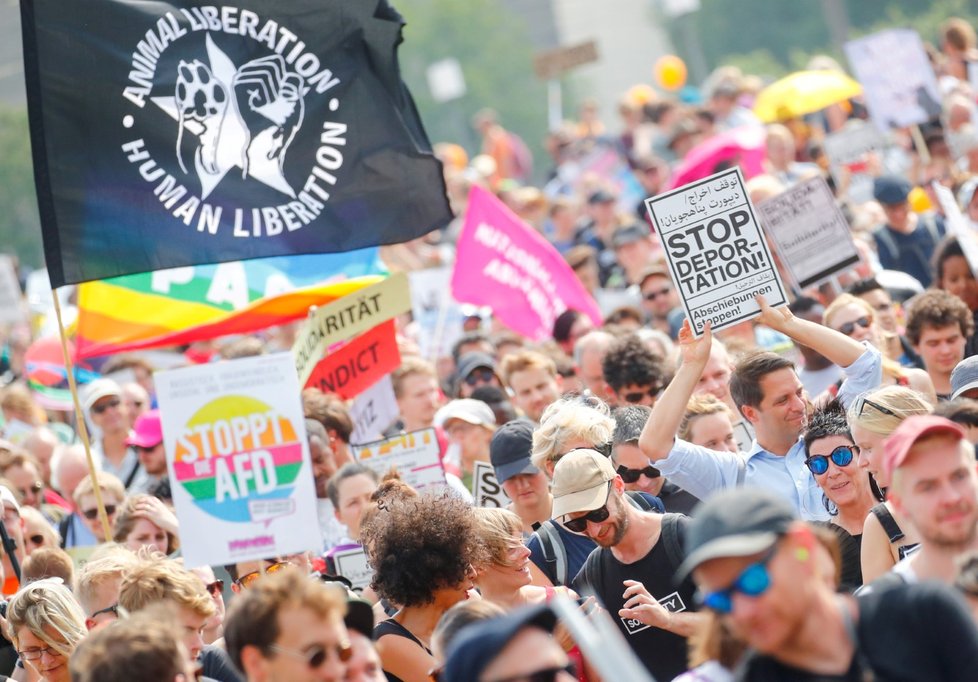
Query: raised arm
[(834, 345), (667, 413)]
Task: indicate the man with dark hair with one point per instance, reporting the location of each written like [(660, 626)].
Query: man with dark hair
[(288, 628), (635, 375), (906, 241), (938, 327), (770, 396), (472, 342), (635, 468), (819, 373), (766, 574)]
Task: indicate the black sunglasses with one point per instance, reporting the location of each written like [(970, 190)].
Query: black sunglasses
[(863, 402), (36, 539), (99, 409), (599, 515), (92, 514), (479, 376), (316, 655), (114, 610), (632, 475), (849, 327), (215, 588), (637, 396), (652, 295), (841, 457)]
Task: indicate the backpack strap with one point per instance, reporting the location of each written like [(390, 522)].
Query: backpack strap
[(593, 569), (639, 501), (672, 535), (554, 551), (884, 238), (890, 526)]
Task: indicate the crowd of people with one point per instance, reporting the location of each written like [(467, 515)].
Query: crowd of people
[(792, 498)]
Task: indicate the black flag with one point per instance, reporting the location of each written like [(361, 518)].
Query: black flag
[(178, 133)]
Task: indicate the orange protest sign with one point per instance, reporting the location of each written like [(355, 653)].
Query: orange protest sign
[(359, 364)]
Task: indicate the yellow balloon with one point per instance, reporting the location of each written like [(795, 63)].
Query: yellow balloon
[(670, 72), (640, 94), (919, 201)]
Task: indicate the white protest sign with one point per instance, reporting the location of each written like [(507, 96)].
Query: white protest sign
[(352, 565), (897, 78), (848, 149), (486, 491), (435, 310), (12, 304), (717, 253), (235, 439), (956, 224), (810, 233), (373, 411), (416, 456)]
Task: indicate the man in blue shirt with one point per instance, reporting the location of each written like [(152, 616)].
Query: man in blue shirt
[(770, 396), (907, 240)]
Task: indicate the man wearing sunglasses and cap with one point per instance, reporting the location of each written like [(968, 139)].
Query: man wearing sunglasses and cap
[(632, 569), (764, 572), (768, 393)]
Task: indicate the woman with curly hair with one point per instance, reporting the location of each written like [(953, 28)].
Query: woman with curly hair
[(422, 551)]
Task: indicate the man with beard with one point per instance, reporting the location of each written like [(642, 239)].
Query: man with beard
[(632, 569), (934, 484)]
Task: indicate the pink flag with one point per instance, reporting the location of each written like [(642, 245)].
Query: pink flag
[(505, 264)]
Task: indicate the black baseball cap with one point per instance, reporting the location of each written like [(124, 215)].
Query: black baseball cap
[(735, 523), (478, 644), (509, 450), (470, 362)]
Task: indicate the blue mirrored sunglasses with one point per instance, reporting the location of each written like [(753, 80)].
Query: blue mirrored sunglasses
[(752, 582), (841, 456)]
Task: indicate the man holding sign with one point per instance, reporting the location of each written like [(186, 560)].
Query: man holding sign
[(770, 396)]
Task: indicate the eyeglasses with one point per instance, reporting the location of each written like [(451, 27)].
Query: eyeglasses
[(317, 654), (841, 456), (99, 409), (849, 327), (479, 376), (34, 654), (36, 539), (652, 295), (599, 515), (92, 514), (248, 578), (637, 396), (215, 588), (114, 610), (632, 475), (752, 582), (862, 402)]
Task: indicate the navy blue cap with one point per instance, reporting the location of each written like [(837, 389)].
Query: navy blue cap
[(478, 644), (509, 450), (891, 189)]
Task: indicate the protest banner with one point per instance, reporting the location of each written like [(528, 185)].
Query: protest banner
[(347, 317), (238, 459), (809, 232), (352, 565), (898, 80), (373, 411), (11, 301), (504, 263), (717, 253), (359, 364), (435, 310), (216, 133), (200, 300), (486, 490), (956, 224), (848, 151), (415, 455)]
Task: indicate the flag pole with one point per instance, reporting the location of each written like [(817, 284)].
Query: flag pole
[(80, 419)]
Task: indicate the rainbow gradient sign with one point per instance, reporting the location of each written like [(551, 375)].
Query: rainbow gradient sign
[(239, 461)]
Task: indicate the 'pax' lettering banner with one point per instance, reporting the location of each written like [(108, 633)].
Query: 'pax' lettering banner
[(359, 364), (503, 263), (177, 133), (809, 231), (716, 250), (236, 447)]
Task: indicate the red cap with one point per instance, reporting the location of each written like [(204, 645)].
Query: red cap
[(147, 432), (912, 429)]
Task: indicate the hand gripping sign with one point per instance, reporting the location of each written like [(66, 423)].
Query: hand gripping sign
[(238, 459), (717, 253)]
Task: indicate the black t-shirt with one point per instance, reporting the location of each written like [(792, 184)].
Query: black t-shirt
[(850, 548), (906, 633), (663, 653)]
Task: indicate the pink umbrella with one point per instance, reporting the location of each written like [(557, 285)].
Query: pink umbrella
[(743, 146)]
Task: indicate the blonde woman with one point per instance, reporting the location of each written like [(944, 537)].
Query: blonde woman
[(45, 624), (708, 422), (887, 537), (855, 318), (568, 424)]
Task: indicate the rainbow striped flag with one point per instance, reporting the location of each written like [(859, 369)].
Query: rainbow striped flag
[(195, 303)]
